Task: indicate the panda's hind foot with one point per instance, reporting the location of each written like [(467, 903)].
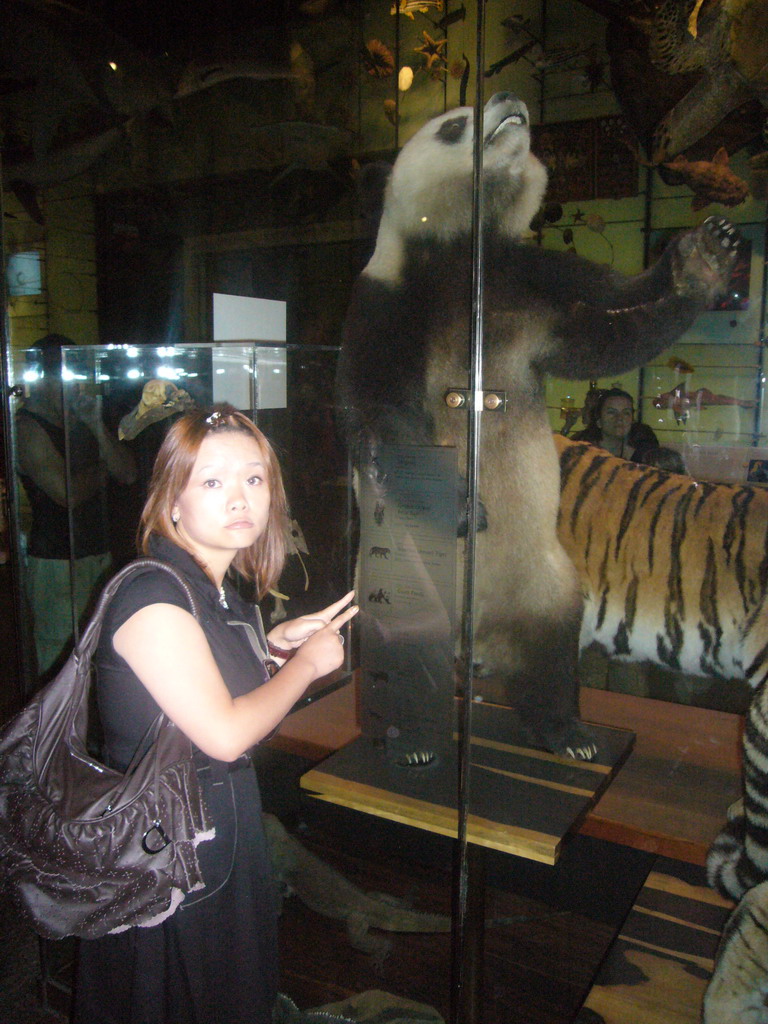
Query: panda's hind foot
[(568, 739)]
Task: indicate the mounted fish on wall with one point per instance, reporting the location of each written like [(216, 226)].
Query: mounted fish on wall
[(711, 181), (680, 401), (691, 78)]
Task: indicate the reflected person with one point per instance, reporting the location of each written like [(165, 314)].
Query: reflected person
[(612, 426), (64, 509)]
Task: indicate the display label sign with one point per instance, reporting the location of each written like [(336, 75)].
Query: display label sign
[(407, 593)]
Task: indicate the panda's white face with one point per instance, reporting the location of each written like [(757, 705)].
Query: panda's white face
[(429, 192)]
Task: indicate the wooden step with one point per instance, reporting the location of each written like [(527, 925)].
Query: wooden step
[(660, 964)]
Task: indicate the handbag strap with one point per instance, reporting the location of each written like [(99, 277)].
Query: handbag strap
[(85, 650), (83, 653), (90, 638)]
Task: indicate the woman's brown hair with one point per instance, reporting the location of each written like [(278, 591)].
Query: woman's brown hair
[(263, 561)]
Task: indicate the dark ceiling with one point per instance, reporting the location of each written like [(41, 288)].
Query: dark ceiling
[(180, 27)]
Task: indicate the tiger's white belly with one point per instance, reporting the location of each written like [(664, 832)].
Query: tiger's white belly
[(648, 640)]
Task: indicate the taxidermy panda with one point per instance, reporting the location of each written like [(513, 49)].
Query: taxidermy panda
[(407, 341)]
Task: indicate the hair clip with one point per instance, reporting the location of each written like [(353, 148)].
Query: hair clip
[(215, 419)]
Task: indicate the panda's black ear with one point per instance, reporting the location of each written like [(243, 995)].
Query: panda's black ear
[(371, 182)]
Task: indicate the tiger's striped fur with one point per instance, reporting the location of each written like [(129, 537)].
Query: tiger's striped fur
[(675, 572), (738, 989)]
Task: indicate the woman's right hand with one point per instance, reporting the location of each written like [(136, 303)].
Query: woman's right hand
[(167, 649), (324, 650)]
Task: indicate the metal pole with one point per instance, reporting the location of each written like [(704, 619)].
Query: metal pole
[(466, 964)]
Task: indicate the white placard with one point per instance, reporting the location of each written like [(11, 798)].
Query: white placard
[(244, 318)]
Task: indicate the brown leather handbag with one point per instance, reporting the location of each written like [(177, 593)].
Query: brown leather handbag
[(87, 850)]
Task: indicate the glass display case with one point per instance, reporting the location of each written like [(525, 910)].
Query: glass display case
[(210, 228), (137, 391)]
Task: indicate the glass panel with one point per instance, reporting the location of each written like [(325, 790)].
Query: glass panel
[(134, 392), (201, 225), (699, 404), (118, 402), (407, 582)]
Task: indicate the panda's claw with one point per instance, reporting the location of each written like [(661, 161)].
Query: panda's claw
[(587, 753), (568, 739), (704, 259), (723, 231)]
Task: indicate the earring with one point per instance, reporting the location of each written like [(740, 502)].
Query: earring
[(175, 517)]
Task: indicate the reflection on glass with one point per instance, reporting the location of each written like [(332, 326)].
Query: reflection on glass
[(89, 428), (66, 458)]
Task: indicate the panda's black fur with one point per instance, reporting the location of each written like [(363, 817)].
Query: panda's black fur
[(407, 341)]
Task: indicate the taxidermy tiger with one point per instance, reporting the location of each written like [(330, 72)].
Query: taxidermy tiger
[(675, 572), (738, 990), (406, 343)]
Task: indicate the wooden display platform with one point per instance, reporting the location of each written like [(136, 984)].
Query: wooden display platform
[(672, 796), (659, 966), (523, 800)]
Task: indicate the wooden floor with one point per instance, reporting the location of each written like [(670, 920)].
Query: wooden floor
[(658, 969), (668, 800), (539, 963)]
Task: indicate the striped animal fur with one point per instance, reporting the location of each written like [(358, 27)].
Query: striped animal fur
[(675, 572), (738, 990)]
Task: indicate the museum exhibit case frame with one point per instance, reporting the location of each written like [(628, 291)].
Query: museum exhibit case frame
[(264, 188), (141, 390)]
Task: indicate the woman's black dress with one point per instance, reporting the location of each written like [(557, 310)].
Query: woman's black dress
[(215, 960)]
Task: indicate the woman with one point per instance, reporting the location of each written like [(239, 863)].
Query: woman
[(65, 476), (215, 505), (612, 426)]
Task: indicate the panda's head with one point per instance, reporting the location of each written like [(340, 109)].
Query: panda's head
[(429, 192)]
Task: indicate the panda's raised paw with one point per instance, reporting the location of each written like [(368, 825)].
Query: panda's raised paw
[(704, 259)]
